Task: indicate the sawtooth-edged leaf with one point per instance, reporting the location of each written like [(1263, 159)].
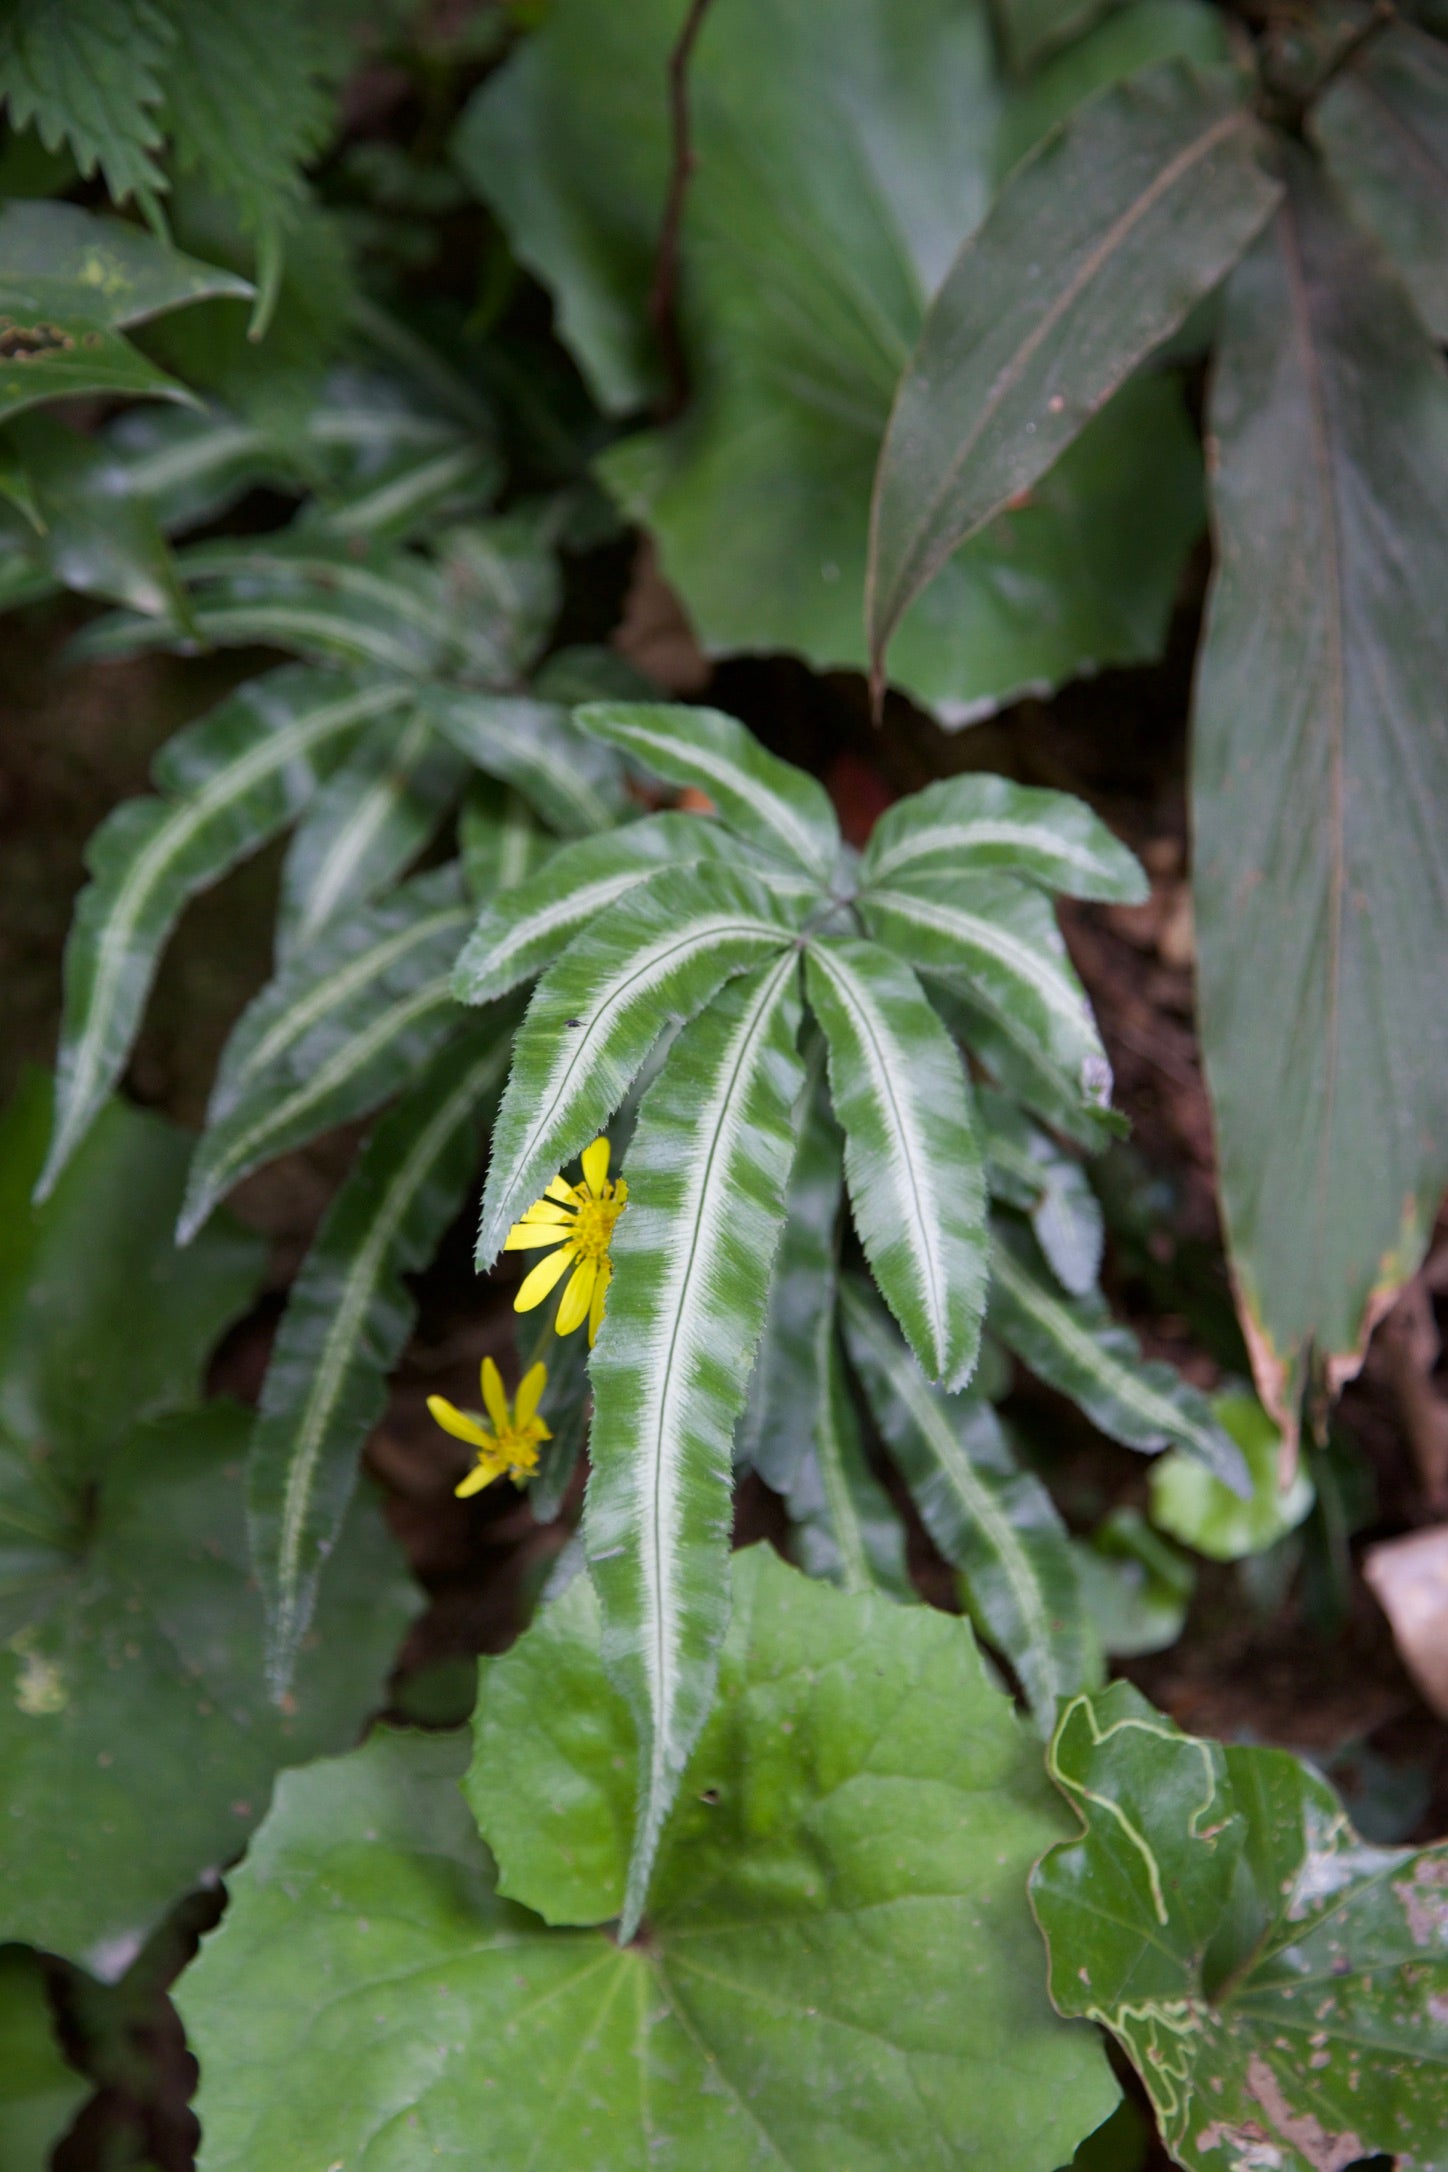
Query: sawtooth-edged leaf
[(1280, 1986), (960, 824), (655, 959), (765, 800), (40, 2091), (137, 1744), (1027, 1168), (912, 1161), (372, 817), (708, 1170), (1383, 130), (1075, 1346), (841, 157), (348, 1316), (1127, 215), (994, 1521), (1012, 1057), (574, 784), (805, 1996), (1319, 766), (788, 1382), (500, 839), (522, 932), (997, 939), (339, 1029), (229, 783), (91, 75)]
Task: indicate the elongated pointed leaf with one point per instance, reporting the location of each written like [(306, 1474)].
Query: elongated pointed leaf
[(1074, 1345), (1383, 129), (500, 839), (524, 931), (338, 1030), (994, 1521), (348, 1316), (999, 941), (1280, 1986), (707, 1169), (373, 815), (1320, 770), (962, 823), (230, 783), (575, 785), (1012, 1056), (911, 1157), (1028, 1168), (843, 1525), (1094, 251), (95, 534), (654, 959), (769, 802)]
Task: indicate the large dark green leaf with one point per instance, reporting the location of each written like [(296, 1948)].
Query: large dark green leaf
[(1320, 779), (1096, 249), (1383, 129), (843, 153), (1281, 1987), (805, 1997)]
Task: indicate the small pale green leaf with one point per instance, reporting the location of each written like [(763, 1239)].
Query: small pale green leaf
[(655, 958), (1198, 1509), (372, 817), (521, 933), (708, 1168), (761, 2024), (574, 784), (997, 939), (972, 822), (993, 1520), (1280, 1986), (1074, 1345), (769, 802), (1122, 221), (914, 1169), (1383, 130), (40, 2092), (1136, 1585), (1319, 962), (229, 784), (348, 1316), (337, 1031)]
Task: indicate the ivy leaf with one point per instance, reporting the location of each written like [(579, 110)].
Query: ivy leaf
[(767, 802), (911, 1157), (657, 955), (348, 1316), (337, 1031), (374, 815), (1383, 130), (1074, 1345), (1130, 215), (959, 825), (708, 1167), (800, 1990), (40, 2092), (810, 249), (993, 1520), (1330, 414), (1278, 1984), (229, 784)]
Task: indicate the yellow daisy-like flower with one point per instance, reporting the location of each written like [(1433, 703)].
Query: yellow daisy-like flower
[(578, 1219), (516, 1435)]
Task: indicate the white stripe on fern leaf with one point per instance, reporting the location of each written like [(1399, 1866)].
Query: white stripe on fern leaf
[(1041, 836), (708, 1168)]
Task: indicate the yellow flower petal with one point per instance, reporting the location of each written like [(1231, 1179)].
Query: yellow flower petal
[(479, 1476), (454, 1421), (530, 1390), (548, 1210), (495, 1402), (540, 1280), (532, 1236), (595, 1166), (600, 1291), (559, 1188), (577, 1297)]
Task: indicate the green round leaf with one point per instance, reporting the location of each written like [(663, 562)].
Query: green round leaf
[(1198, 1509), (838, 1967)]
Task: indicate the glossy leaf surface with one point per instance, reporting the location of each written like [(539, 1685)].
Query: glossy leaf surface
[(760, 2024), (1278, 1984), (1320, 757)]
